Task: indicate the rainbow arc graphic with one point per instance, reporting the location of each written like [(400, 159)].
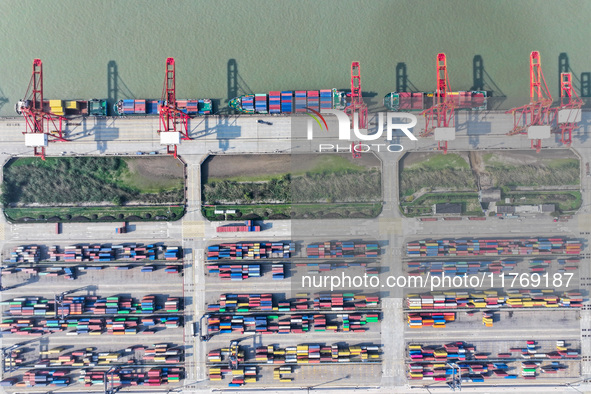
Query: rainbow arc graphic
[(315, 115)]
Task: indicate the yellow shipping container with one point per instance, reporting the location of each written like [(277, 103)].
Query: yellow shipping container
[(72, 104), (55, 103)]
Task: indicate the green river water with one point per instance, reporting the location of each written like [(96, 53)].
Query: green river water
[(284, 45)]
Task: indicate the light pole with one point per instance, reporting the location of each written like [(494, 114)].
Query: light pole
[(110, 390), (6, 354), (456, 382)]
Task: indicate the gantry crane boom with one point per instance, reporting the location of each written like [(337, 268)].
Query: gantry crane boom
[(174, 124), (538, 112), (441, 114), (356, 107), (39, 122)]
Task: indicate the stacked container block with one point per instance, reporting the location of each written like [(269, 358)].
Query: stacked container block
[(492, 247), (287, 102), (344, 249), (274, 102), (326, 99), (250, 250), (300, 101), (260, 102), (313, 100), (529, 298)]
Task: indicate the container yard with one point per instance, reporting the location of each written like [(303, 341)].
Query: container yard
[(46, 303), (479, 362), (494, 318), (288, 364), (284, 322)]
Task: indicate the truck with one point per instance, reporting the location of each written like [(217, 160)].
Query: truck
[(122, 229), (58, 228)]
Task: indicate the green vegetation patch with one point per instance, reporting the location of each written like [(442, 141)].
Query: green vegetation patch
[(93, 214), (544, 173), (438, 161), (88, 180), (449, 171), (326, 178), (310, 187)]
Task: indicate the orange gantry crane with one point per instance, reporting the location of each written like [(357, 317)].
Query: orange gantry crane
[(535, 118), (356, 106), (40, 122), (440, 119), (568, 114), (174, 124)]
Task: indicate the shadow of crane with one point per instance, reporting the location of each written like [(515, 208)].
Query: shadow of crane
[(115, 87), (481, 80)]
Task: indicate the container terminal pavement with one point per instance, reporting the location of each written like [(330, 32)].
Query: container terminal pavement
[(244, 134)]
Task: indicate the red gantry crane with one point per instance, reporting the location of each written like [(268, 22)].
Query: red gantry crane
[(440, 119), (356, 106), (174, 124), (40, 123), (534, 119), (569, 112)]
